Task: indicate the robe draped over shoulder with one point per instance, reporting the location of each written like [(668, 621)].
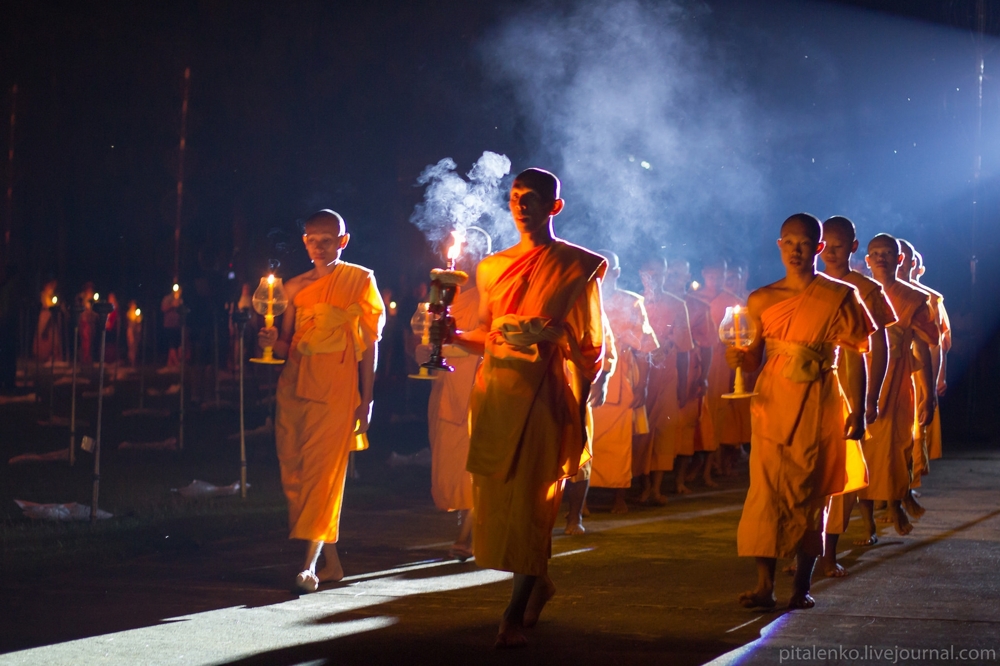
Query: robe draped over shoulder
[(528, 426), (337, 317), (798, 453), (668, 317)]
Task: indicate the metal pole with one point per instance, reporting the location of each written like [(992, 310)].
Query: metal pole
[(215, 352), (54, 312), (142, 363), (38, 360), (180, 174), (240, 318), (102, 310), (118, 346), (72, 408), (180, 431)]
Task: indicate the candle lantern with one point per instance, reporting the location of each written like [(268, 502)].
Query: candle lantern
[(269, 300), (420, 324), (738, 330), (444, 287)]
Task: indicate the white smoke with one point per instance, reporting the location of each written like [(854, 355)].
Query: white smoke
[(452, 202), (639, 118)]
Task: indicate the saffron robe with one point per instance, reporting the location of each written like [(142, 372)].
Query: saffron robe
[(797, 455), (337, 317), (880, 309), (668, 317), (927, 439), (614, 420), (889, 446), (697, 424), (528, 426), (934, 445), (448, 414)]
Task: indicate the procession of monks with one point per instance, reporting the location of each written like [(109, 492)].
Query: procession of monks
[(564, 381)]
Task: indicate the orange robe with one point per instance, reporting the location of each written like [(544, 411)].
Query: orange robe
[(730, 418), (668, 317), (448, 414), (528, 426), (880, 309), (337, 317), (927, 439), (614, 420), (697, 424), (934, 444), (889, 446), (798, 454)]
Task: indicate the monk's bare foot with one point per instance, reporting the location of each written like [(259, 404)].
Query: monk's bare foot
[(575, 527), (541, 593), (332, 571), (913, 507), (683, 490), (619, 506), (660, 499), (644, 496), (915, 493), (307, 582), (757, 599), (460, 552), (900, 521), (790, 569), (801, 601), (510, 636), (870, 541), (585, 511), (885, 518), (834, 570), (711, 484), (881, 504)]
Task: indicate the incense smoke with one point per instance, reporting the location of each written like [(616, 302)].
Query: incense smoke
[(640, 119), (454, 203)]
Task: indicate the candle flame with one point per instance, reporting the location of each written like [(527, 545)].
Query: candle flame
[(138, 312), (736, 310), (270, 279), (55, 299), (177, 287), (456, 248), (392, 305), (695, 286), (97, 296)]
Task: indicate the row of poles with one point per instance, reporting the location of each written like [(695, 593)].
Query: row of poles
[(103, 309)]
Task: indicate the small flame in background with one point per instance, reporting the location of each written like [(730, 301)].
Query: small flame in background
[(452, 202)]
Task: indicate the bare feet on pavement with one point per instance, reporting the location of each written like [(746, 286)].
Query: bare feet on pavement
[(510, 636), (541, 593)]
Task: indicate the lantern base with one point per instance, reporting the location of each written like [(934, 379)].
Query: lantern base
[(423, 374), (268, 358), (736, 396)]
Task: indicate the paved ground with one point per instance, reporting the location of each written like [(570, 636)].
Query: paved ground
[(655, 586)]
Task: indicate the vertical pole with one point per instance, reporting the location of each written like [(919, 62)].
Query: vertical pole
[(100, 409), (118, 345), (38, 359), (215, 352), (72, 400), (53, 312), (8, 220), (180, 430), (243, 440), (142, 363), (180, 174)]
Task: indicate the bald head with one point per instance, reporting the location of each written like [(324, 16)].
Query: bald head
[(907, 250), (884, 241), (326, 220), (843, 227), (805, 224), (543, 182)]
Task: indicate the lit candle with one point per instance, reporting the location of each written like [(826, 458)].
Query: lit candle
[(456, 248), (97, 296), (736, 325), (269, 317), (55, 300)]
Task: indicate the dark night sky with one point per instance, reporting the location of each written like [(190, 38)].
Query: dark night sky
[(301, 105)]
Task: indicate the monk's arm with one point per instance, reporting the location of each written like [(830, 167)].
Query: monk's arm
[(474, 341), (366, 368), (683, 365), (856, 389), (942, 382), (706, 364), (879, 366), (937, 356), (642, 363), (926, 378)]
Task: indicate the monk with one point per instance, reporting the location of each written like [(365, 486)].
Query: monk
[(922, 434), (668, 381), (840, 237), (934, 445), (329, 336), (448, 423), (798, 456), (542, 338), (730, 423), (695, 424), (888, 450), (625, 389)]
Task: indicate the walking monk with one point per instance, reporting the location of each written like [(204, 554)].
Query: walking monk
[(626, 387), (668, 383), (934, 446), (329, 336), (889, 448), (841, 241), (448, 424), (798, 456), (542, 336)]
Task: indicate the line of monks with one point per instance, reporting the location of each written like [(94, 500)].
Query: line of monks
[(563, 381)]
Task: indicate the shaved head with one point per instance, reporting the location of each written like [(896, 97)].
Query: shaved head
[(838, 224), (808, 225), (328, 220), (540, 181), (906, 247), (884, 240)]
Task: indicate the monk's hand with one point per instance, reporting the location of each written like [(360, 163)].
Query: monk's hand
[(942, 387), (735, 357), (698, 389), (266, 337), (422, 354), (362, 417), (927, 410), (854, 426), (871, 409)]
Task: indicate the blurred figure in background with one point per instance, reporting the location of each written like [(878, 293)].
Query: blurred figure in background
[(48, 336), (133, 333), (170, 306), (85, 299)]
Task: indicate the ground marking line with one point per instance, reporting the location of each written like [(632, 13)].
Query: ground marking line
[(740, 626)]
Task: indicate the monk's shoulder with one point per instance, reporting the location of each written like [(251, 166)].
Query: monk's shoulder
[(295, 285), (910, 294), (593, 263), (936, 294), (764, 297), (629, 298), (357, 269), (726, 298)]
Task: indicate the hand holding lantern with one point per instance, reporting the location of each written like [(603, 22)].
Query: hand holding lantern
[(444, 287), (738, 330), (269, 300)]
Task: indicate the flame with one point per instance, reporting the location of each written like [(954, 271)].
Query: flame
[(695, 286), (55, 300), (97, 296), (456, 248), (737, 310), (138, 312), (392, 305), (270, 279), (177, 287)]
